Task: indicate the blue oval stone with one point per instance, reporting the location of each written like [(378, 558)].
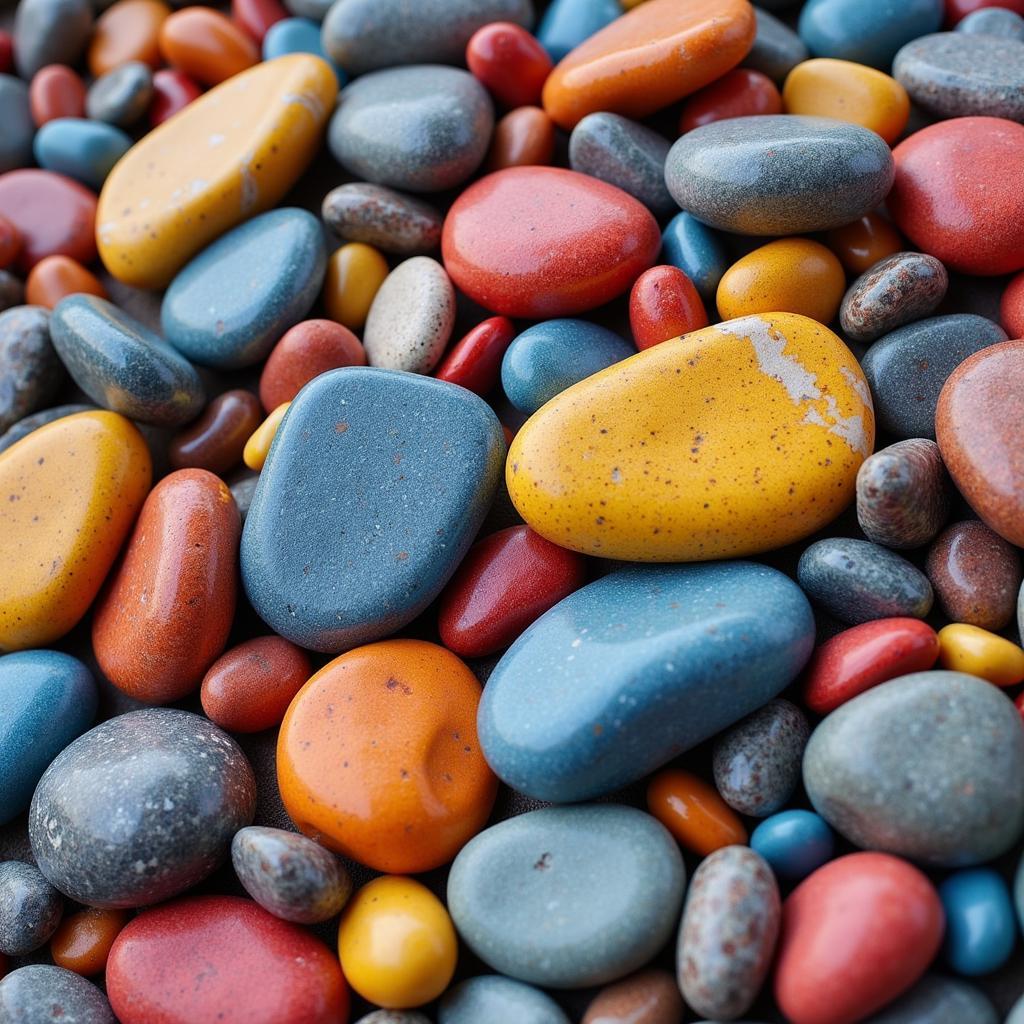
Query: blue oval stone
[(82, 149), (567, 23), (297, 35), (794, 843), (697, 251), (981, 928), (491, 997)]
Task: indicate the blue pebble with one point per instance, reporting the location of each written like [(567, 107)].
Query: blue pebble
[(794, 843), (49, 700), (297, 35), (567, 23), (552, 356), (697, 251), (82, 149), (491, 997), (981, 928)]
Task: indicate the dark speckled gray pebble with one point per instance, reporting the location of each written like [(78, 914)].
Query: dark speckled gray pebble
[(993, 21), (50, 32), (920, 767), (938, 1000), (777, 48), (728, 932), (30, 371), (626, 154), (757, 762), (906, 368), (30, 908), (856, 581), (42, 994), (242, 491), (290, 875), (121, 96), (140, 808), (498, 1000), (779, 174), (394, 1017), (382, 217), (16, 137), (423, 128), (12, 291), (25, 426)]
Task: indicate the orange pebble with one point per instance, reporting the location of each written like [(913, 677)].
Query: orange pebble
[(127, 30), (56, 277), (693, 812), (10, 242), (56, 91), (523, 137), (206, 45), (863, 243), (83, 940)]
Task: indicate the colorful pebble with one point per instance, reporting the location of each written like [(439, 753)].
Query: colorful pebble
[(30, 908), (82, 942), (207, 45), (524, 137), (215, 440), (647, 997), (510, 62), (55, 91), (794, 843), (29, 365), (474, 361), (56, 277), (121, 96), (964, 648), (127, 30), (664, 304), (981, 928), (494, 998), (697, 251), (257, 447), (741, 92), (80, 148), (693, 812), (44, 993), (355, 273), (379, 216), (864, 242)]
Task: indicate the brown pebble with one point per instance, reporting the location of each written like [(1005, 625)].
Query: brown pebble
[(215, 441), (647, 997), (523, 137)]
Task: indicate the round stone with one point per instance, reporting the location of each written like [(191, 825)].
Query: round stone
[(30, 908), (42, 994), (494, 998), (993, 21)]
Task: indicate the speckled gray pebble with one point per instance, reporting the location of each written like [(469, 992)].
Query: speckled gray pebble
[(50, 32), (623, 153), (12, 291), (779, 174), (242, 491), (394, 1017), (19, 128), (382, 217), (121, 96), (919, 767), (993, 21), (30, 371), (728, 932), (498, 1000), (25, 426), (938, 1000), (756, 763), (315, 10), (42, 994), (777, 48), (140, 808), (856, 581), (30, 908), (290, 875), (954, 74), (906, 368)]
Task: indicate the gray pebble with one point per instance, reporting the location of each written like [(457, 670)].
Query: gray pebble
[(993, 21), (19, 128), (50, 32), (42, 994), (30, 371), (25, 426), (777, 48), (498, 1000), (382, 217), (938, 1000), (121, 96), (30, 908), (12, 291), (242, 491), (394, 1017), (315, 10)]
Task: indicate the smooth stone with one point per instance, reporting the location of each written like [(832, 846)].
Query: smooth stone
[(616, 877), (993, 21), (16, 143), (25, 426), (381, 217), (498, 1000), (1016, 1015), (424, 128), (981, 928), (298, 35), (938, 1000), (553, 355), (122, 95), (215, 441), (122, 365), (230, 304), (50, 32), (635, 669), (315, 10), (794, 843), (781, 174), (242, 491), (30, 371), (567, 23), (394, 1017), (697, 251), (80, 149), (43, 994), (305, 351), (907, 368), (12, 291), (777, 48), (626, 154), (30, 909), (648, 997), (113, 827), (56, 91), (437, 450)]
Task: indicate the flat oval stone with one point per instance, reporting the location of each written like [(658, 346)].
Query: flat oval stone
[(918, 767), (381, 217), (981, 927), (615, 873), (56, 91), (361, 571), (50, 32), (111, 828), (647, 997), (493, 998), (122, 95), (82, 149), (29, 366), (632, 670), (127, 32), (30, 909), (16, 144), (40, 992), (781, 174), (939, 1000), (777, 48)]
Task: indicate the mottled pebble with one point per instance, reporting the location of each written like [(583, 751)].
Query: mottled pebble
[(30, 908), (121, 96), (382, 217), (30, 371), (42, 994), (498, 1000)]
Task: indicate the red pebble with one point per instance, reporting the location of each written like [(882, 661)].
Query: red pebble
[(10, 243), (506, 582), (6, 56), (957, 10), (857, 659), (741, 92), (510, 62), (256, 16), (172, 91), (957, 193), (1019, 702), (222, 958), (663, 304), (855, 934), (56, 91), (474, 362), (215, 441), (1011, 308)]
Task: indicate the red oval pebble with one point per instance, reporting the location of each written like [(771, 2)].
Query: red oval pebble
[(172, 91), (544, 242), (957, 10), (10, 243), (506, 582), (1011, 307), (474, 362), (224, 959), (216, 440), (663, 304), (509, 62), (857, 659), (524, 137), (6, 53), (855, 934), (56, 91), (257, 16), (741, 92)]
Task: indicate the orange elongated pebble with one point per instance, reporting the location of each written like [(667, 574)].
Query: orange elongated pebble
[(693, 812), (206, 45), (83, 940), (56, 277)]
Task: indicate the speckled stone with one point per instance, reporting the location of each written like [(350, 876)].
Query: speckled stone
[(424, 128), (956, 75), (938, 1000), (140, 808), (498, 1000), (779, 174), (290, 875), (42, 994), (919, 766), (728, 932), (30, 371), (50, 32), (907, 368), (121, 96), (993, 21), (25, 426), (615, 875), (12, 291), (30, 908), (242, 491), (777, 48), (623, 153), (411, 318), (381, 217), (647, 997), (122, 365), (903, 287), (394, 1017), (757, 762), (16, 117)]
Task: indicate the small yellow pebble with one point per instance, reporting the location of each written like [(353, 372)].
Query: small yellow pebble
[(397, 943), (254, 455), (976, 651), (355, 273)]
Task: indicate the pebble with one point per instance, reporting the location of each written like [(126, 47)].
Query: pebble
[(56, 277), (394, 1017), (30, 909), (981, 928), (355, 273), (918, 766), (126, 31), (176, 809), (697, 251), (615, 873), (379, 216), (83, 940), (12, 291), (315, 10), (474, 361), (500, 1001), (664, 304), (172, 92), (82, 149), (122, 95), (777, 48), (50, 32), (957, 10), (25, 426), (1011, 307), (693, 812), (29, 367), (567, 23), (16, 145), (964, 648), (257, 17), (297, 35), (647, 997), (305, 351), (938, 1000), (993, 21), (257, 448), (43, 993), (741, 92), (56, 91), (794, 843), (522, 138), (864, 242), (207, 45), (215, 440), (510, 62)]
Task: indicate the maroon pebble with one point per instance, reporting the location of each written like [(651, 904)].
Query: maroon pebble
[(6, 53), (215, 441), (474, 362), (257, 16), (172, 91), (56, 91)]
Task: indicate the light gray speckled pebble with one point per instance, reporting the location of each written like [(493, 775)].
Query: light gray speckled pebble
[(382, 217), (498, 1000), (394, 1017), (25, 426), (12, 291), (19, 128), (777, 48), (30, 908), (42, 994), (993, 21), (121, 96), (50, 32), (938, 1000), (918, 767), (30, 370)]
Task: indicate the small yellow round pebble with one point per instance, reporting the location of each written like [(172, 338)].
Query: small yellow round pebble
[(254, 455), (355, 272), (976, 651), (397, 943), (791, 275)]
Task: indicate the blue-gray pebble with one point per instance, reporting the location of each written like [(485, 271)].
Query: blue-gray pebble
[(30, 371), (43, 994), (567, 23), (80, 148), (498, 1000), (697, 250), (30, 908), (25, 426), (939, 1000), (121, 96), (315, 10), (15, 116), (993, 21), (777, 48), (50, 32)]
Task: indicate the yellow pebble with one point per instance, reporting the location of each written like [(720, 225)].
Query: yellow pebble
[(846, 91), (232, 153), (976, 651), (397, 943), (256, 449), (791, 275), (71, 491), (355, 273)]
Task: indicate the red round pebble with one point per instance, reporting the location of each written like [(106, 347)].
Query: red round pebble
[(56, 91), (957, 10), (6, 53), (172, 91), (510, 62), (474, 362), (257, 16), (10, 243), (741, 92), (663, 304), (1011, 308)]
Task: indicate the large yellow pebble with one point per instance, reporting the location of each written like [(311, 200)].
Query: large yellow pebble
[(732, 440), (397, 943), (976, 651), (354, 275), (791, 275), (69, 493), (257, 448), (846, 91), (232, 153)]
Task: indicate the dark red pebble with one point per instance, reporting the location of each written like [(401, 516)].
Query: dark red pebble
[(172, 91), (663, 304), (474, 362), (256, 16), (957, 10), (509, 62), (215, 441), (741, 92), (56, 91), (6, 53), (10, 243)]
